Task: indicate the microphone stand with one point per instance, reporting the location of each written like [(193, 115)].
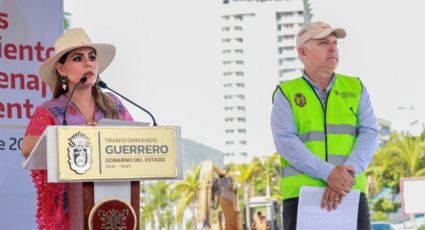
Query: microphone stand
[(103, 85), (82, 81)]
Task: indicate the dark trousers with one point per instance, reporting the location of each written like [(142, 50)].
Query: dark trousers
[(290, 207)]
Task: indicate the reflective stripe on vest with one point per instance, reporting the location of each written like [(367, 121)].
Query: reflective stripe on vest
[(330, 129), (329, 133), (292, 171)]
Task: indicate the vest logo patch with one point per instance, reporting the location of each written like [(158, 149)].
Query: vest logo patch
[(345, 94), (348, 94), (300, 99)]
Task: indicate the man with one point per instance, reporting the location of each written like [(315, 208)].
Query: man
[(260, 221), (323, 126)]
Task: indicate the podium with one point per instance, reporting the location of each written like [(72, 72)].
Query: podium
[(102, 167)]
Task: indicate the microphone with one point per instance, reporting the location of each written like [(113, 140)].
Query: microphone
[(103, 85), (83, 80)]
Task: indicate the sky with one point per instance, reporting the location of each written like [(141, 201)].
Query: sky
[(168, 57)]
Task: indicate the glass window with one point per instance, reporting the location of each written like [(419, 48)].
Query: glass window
[(229, 130), (240, 85), (241, 108), (241, 119)]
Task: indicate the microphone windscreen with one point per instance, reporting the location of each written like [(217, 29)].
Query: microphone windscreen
[(83, 79), (102, 84)]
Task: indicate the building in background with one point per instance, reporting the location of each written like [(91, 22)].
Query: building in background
[(258, 51)]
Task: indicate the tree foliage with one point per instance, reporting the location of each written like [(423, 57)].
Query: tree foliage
[(156, 201), (187, 190), (382, 208), (253, 179), (403, 156), (66, 20)]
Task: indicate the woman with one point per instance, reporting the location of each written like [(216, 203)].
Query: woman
[(75, 56)]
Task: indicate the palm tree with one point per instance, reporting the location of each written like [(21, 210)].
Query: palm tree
[(157, 200), (187, 189), (276, 189), (270, 170), (146, 214), (66, 20), (373, 174), (403, 156), (245, 174)]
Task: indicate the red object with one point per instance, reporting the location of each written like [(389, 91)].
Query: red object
[(112, 214)]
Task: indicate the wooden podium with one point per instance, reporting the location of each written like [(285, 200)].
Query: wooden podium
[(102, 167)]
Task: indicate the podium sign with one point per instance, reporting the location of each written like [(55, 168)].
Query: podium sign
[(102, 167), (96, 153)]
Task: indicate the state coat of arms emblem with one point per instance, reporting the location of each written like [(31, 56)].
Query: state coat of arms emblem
[(79, 153), (300, 100)]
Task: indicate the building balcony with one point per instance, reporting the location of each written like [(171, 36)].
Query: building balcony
[(235, 126), (232, 45), (291, 65), (234, 102), (232, 34), (234, 91), (292, 31), (231, 22), (288, 54), (291, 19), (235, 137), (233, 88), (234, 112), (232, 55), (286, 42), (233, 68)]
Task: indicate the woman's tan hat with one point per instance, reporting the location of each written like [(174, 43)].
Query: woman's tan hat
[(73, 39)]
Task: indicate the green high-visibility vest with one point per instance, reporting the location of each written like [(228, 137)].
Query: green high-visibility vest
[(328, 132)]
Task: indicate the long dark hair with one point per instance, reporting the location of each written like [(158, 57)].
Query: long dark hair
[(105, 103)]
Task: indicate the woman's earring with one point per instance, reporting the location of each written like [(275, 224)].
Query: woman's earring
[(64, 83)]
